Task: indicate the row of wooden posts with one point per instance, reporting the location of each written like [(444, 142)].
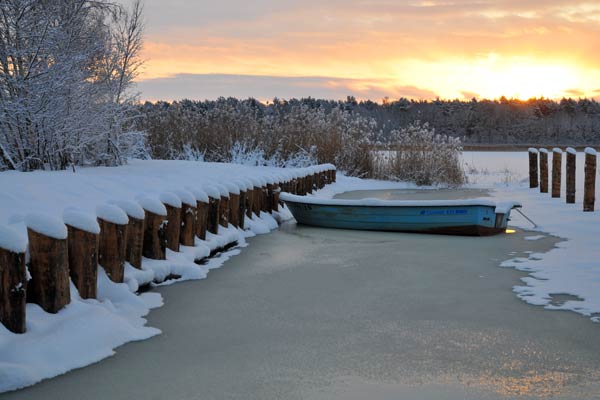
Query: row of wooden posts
[(540, 179), (55, 262)]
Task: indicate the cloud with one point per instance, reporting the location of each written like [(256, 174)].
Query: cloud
[(212, 86)]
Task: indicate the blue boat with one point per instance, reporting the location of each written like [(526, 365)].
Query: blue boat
[(477, 217)]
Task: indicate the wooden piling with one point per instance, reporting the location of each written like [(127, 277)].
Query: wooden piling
[(13, 284), (155, 235), (111, 248), (49, 267), (187, 226), (533, 168), (556, 172), (242, 209), (134, 247), (571, 170), (201, 219), (250, 202), (224, 211), (173, 227), (234, 209), (83, 260), (214, 207), (589, 189), (543, 171)]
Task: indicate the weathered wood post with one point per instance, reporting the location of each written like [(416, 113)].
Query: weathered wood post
[(533, 167), (113, 240), (49, 263), (334, 175), (242, 206), (201, 223), (187, 231), (13, 280), (172, 203), (135, 231), (224, 207), (571, 169), (556, 171), (214, 206), (543, 171), (234, 203), (258, 195), (155, 228), (275, 197), (250, 196), (83, 231), (589, 188)]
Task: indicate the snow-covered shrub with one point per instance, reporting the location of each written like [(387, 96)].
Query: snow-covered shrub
[(421, 156), (67, 68)]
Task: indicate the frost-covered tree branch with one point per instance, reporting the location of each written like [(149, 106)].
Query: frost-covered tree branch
[(67, 70)]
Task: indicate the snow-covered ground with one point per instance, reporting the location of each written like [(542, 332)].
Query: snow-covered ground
[(86, 331), (573, 267)]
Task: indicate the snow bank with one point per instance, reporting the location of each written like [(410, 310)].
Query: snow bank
[(46, 225), (186, 197), (170, 199), (10, 240), (571, 150), (590, 151), (112, 213), (87, 331), (81, 220), (152, 205), (132, 209), (199, 194)]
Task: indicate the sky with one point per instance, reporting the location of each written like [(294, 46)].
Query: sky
[(371, 49)]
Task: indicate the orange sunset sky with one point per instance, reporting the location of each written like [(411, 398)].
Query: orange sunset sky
[(371, 49)]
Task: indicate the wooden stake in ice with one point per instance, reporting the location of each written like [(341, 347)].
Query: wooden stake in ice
[(13, 281), (173, 205), (49, 263), (543, 171), (155, 228), (571, 169), (83, 233), (113, 241), (556, 171), (533, 168), (589, 189)]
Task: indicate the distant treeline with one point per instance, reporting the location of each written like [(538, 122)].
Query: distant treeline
[(211, 127)]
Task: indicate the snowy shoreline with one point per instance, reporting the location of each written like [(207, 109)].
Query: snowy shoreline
[(88, 330)]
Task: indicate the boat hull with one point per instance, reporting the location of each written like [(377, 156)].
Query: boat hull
[(469, 220)]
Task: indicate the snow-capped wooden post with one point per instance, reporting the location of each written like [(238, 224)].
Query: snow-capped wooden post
[(556, 171), (214, 206), (269, 197), (334, 175), (242, 207), (224, 208), (201, 223), (113, 240), (571, 169), (155, 228), (234, 209), (250, 201), (83, 231), (275, 197), (173, 205), (49, 263), (543, 171), (187, 230), (533, 167), (135, 231), (13, 280), (589, 188)]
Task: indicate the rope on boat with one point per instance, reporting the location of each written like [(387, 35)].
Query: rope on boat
[(526, 217)]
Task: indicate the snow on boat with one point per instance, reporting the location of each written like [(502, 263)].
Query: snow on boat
[(476, 217)]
